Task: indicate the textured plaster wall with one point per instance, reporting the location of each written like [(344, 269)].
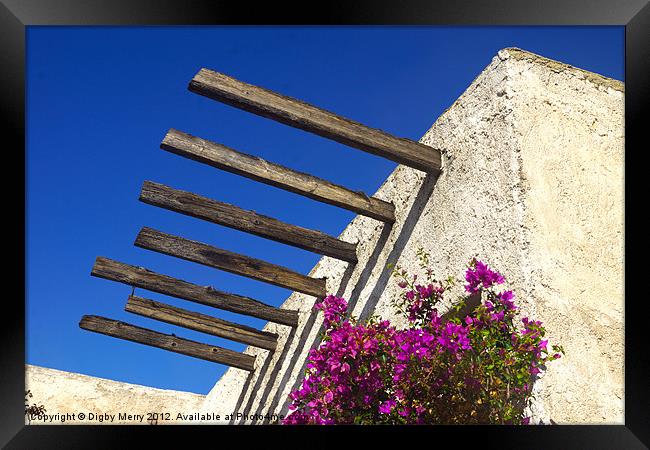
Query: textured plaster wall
[(72, 393), (532, 183), (570, 131)]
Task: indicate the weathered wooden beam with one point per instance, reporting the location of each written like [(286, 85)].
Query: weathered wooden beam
[(201, 322), (224, 158), (249, 221), (167, 342), (230, 262), (205, 295), (310, 118)]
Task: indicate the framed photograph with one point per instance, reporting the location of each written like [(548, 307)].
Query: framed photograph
[(257, 219)]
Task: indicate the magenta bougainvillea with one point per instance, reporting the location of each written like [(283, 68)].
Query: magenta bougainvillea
[(438, 370)]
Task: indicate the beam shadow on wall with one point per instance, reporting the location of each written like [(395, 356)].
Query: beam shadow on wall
[(422, 197), (247, 383), (412, 219), (306, 331), (280, 362), (260, 377)]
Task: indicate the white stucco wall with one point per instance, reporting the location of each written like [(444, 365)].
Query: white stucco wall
[(532, 183), (570, 132)]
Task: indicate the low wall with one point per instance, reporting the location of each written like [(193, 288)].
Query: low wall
[(72, 398)]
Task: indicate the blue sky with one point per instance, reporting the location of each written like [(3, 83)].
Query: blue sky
[(100, 100)]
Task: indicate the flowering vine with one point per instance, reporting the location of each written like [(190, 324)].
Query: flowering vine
[(438, 370)]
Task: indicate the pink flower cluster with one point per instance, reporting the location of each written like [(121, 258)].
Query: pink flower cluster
[(333, 308), (439, 370), (480, 275), (346, 372), (419, 301)]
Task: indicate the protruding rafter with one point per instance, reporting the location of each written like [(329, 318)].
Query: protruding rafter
[(169, 342), (205, 295), (304, 116), (224, 158), (194, 205), (230, 262), (201, 322)]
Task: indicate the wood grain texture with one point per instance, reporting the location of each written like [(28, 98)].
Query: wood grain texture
[(208, 255), (201, 322), (205, 295), (169, 342), (224, 158), (194, 205), (304, 116)]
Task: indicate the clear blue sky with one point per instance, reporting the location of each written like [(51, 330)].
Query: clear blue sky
[(100, 100)]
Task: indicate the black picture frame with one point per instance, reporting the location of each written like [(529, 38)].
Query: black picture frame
[(16, 15)]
